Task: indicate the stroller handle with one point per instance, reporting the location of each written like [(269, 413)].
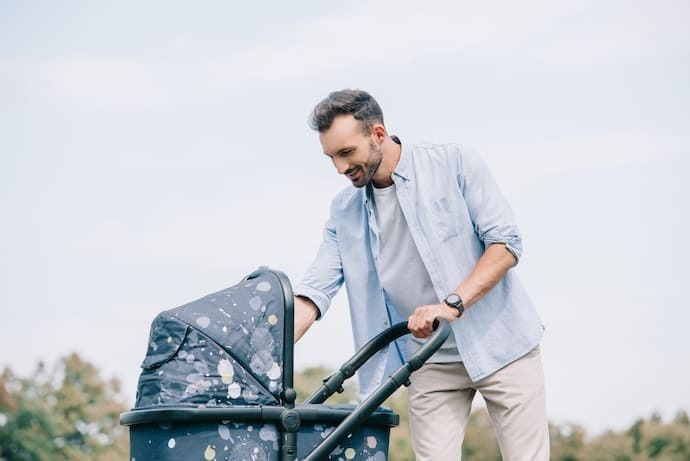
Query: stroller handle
[(334, 382), (386, 389)]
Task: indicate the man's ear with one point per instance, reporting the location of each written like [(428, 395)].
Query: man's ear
[(379, 132)]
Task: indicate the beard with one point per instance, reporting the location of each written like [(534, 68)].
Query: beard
[(371, 166)]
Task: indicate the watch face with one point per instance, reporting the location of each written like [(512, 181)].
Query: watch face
[(453, 299)]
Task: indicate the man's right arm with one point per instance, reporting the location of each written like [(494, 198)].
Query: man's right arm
[(320, 283), (306, 313)]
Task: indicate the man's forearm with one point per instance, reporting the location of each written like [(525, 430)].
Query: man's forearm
[(488, 271), (306, 313), (490, 268)]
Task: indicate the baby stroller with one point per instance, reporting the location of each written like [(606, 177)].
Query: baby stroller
[(217, 384)]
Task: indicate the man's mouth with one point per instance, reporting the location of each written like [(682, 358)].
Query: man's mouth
[(353, 174)]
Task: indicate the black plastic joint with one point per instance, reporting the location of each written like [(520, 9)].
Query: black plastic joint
[(289, 395), (290, 420)]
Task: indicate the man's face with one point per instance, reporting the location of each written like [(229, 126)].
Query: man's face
[(354, 153)]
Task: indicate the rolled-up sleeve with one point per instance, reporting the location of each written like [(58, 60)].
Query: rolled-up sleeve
[(324, 277), (490, 212)]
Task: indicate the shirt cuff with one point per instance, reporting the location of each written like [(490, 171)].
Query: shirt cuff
[(515, 249), (318, 297)]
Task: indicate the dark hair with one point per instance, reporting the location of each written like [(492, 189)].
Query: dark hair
[(360, 104)]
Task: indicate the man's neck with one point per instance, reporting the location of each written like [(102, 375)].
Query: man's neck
[(391, 156)]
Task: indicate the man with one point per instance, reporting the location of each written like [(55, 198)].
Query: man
[(425, 232)]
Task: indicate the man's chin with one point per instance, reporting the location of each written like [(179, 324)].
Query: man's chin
[(360, 183)]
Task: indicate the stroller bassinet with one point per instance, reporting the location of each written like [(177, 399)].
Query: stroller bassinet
[(216, 384)]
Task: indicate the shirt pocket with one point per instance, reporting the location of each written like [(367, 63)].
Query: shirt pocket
[(444, 219)]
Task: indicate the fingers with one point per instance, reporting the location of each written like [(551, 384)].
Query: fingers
[(421, 322)]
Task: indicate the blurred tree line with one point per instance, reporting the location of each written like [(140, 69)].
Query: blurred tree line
[(69, 412), (63, 412), (650, 439)]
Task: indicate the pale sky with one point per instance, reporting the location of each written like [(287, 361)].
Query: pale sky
[(152, 153)]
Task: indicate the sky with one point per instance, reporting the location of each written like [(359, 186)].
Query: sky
[(155, 152)]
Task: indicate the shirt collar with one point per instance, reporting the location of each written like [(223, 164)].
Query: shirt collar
[(402, 170)]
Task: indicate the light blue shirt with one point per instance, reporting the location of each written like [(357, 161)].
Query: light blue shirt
[(454, 210)]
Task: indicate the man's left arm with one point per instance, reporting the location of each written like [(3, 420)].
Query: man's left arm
[(494, 225), (488, 271)]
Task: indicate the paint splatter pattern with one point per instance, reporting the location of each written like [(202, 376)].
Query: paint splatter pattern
[(224, 349), (229, 441)]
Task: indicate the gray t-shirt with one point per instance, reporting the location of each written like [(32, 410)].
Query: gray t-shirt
[(403, 275)]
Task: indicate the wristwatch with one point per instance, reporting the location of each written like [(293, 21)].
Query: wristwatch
[(455, 301)]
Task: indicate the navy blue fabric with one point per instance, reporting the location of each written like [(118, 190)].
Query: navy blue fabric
[(233, 441), (224, 349)]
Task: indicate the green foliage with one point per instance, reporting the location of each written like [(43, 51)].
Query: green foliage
[(650, 439), (567, 442), (64, 413), (681, 418)]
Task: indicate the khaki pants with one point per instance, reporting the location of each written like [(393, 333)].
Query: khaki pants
[(440, 399)]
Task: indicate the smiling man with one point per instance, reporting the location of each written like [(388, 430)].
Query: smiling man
[(425, 232)]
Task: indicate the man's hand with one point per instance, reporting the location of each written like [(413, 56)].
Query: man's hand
[(493, 265), (421, 322)]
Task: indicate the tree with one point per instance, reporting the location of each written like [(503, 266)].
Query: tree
[(681, 418), (665, 442), (64, 413), (610, 446), (567, 442)]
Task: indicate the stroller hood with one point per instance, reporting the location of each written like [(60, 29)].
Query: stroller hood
[(224, 349)]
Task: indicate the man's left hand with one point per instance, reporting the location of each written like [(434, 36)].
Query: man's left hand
[(421, 322)]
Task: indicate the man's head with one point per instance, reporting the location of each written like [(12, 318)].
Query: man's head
[(351, 131)]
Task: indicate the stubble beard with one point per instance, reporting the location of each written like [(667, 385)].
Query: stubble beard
[(372, 165)]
